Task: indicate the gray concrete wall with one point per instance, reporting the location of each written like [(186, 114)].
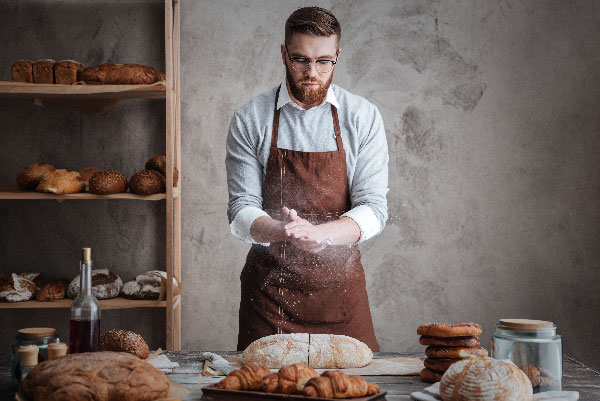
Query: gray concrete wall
[(492, 124)]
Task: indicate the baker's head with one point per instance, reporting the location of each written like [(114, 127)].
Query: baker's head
[(310, 52)]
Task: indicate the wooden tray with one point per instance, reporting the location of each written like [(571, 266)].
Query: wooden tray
[(213, 393)]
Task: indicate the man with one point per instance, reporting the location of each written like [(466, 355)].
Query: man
[(307, 176)]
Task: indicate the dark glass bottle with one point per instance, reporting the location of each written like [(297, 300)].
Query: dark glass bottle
[(84, 330)]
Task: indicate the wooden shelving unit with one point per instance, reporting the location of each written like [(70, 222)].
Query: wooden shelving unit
[(98, 99)]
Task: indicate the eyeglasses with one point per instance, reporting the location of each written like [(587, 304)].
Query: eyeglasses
[(302, 63)]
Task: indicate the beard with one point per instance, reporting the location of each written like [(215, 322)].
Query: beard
[(306, 95)]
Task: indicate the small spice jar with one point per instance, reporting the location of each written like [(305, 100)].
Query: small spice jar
[(534, 346), (39, 336)]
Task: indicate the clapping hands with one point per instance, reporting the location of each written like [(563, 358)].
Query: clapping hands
[(303, 234)]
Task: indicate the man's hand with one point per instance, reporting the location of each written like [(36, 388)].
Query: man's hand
[(303, 234)]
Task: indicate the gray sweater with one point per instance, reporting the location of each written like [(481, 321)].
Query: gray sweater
[(311, 130)]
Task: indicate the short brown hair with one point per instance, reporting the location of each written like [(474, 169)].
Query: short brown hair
[(313, 21)]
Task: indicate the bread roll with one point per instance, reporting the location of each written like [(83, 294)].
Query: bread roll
[(67, 72), (147, 182), (321, 351), (485, 379), (55, 289), (105, 285), (124, 341), (43, 71), (22, 71), (159, 163), (61, 182), (121, 74), (86, 174), (107, 182), (100, 376), (30, 177)]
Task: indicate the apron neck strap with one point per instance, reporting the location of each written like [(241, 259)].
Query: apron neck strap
[(275, 121)]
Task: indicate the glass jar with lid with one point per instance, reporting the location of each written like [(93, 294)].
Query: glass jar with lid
[(40, 336), (534, 346)]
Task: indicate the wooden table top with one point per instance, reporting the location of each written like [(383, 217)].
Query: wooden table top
[(577, 376)]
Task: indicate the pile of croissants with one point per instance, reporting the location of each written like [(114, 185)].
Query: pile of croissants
[(298, 379)]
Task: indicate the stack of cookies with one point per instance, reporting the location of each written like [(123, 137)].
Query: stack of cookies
[(447, 344)]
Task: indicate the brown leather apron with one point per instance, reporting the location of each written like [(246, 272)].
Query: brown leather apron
[(286, 290)]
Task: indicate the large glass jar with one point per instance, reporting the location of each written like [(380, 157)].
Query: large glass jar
[(534, 346), (40, 336)]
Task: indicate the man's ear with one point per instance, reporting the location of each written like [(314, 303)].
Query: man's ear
[(283, 53)]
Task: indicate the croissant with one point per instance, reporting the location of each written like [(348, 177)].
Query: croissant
[(248, 377), (289, 380), (336, 384)]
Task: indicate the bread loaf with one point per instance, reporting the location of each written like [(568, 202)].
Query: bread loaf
[(124, 341), (61, 182), (56, 289), (67, 72), (121, 74), (43, 71), (485, 379), (321, 351), (147, 182), (105, 285), (16, 289), (22, 71), (98, 376), (29, 178), (106, 182)]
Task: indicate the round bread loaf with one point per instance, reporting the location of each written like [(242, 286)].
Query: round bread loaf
[(55, 289), (30, 177), (124, 341), (107, 182), (454, 352), (145, 286), (100, 376), (61, 182), (159, 163), (450, 341), (16, 289), (430, 376), (449, 330), (86, 174), (37, 278), (105, 285), (147, 182), (485, 379)]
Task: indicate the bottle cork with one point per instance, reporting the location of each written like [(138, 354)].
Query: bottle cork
[(56, 350), (86, 254), (28, 355)]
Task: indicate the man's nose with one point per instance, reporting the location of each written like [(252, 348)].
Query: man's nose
[(312, 69)]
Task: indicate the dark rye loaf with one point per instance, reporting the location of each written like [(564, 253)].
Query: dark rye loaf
[(98, 376)]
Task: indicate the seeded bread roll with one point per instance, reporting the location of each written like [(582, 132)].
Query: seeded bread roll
[(55, 289), (147, 182), (22, 71), (124, 341), (30, 177), (86, 174), (107, 182), (121, 74), (159, 163), (61, 182), (100, 376), (43, 71), (67, 72)]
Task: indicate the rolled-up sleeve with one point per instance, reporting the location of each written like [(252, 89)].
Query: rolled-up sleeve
[(370, 181), (244, 180)]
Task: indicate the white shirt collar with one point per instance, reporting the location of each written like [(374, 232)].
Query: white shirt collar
[(284, 98)]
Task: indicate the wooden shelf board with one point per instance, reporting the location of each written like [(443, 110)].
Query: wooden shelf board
[(115, 303), (47, 91), (10, 192)]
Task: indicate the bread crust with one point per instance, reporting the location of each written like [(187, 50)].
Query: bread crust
[(449, 330), (147, 182), (61, 182), (103, 376), (43, 71), (454, 352), (121, 74), (22, 71), (107, 182), (29, 178), (159, 163), (430, 376), (124, 341), (450, 341)]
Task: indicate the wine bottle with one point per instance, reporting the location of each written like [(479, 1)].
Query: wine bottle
[(84, 330)]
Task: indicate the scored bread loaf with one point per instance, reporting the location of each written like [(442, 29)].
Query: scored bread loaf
[(321, 351), (100, 376)]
